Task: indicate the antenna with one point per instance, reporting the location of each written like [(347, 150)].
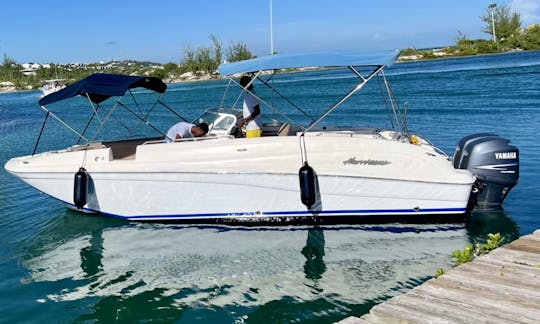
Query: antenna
[(271, 31)]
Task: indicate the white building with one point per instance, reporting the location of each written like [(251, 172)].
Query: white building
[(30, 69)]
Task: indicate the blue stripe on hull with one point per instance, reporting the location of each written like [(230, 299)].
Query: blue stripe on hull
[(292, 214), (295, 214)]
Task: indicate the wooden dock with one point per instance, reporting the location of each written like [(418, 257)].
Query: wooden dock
[(500, 287)]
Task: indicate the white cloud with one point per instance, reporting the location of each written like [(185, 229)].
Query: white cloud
[(529, 10)]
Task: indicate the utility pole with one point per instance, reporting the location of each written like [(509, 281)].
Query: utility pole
[(271, 31), (492, 9)]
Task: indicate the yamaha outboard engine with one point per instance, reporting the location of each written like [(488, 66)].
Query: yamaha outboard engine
[(493, 161)]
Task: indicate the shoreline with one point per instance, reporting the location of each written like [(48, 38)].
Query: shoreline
[(13, 89), (398, 61), (2, 91)]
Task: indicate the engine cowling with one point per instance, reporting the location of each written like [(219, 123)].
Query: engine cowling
[(495, 164)]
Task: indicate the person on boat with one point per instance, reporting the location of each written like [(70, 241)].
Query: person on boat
[(251, 110), (186, 130)]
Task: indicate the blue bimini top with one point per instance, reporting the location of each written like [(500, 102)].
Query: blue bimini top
[(101, 86), (317, 59)]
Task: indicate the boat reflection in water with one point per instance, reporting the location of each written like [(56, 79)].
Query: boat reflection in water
[(482, 222), (142, 269), (314, 267)]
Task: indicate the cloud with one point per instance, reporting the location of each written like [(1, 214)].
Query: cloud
[(529, 10)]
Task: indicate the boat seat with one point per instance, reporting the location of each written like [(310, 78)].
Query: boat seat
[(284, 130), (126, 149)]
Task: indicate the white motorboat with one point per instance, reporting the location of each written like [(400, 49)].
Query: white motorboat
[(353, 174), (53, 85)]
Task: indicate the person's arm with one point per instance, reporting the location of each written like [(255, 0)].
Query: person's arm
[(256, 112)]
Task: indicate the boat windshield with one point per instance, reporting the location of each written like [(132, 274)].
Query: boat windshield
[(220, 121), (224, 124), (207, 117)]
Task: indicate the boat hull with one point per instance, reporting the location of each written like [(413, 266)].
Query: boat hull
[(243, 180), (212, 197)]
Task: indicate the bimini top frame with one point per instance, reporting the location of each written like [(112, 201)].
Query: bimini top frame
[(99, 87), (318, 59), (373, 62)]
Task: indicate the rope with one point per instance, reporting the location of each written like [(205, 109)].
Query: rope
[(40, 133), (303, 150)]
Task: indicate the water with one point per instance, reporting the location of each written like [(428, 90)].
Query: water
[(61, 266)]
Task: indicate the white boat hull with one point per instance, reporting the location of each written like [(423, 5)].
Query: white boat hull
[(169, 196), (246, 181)]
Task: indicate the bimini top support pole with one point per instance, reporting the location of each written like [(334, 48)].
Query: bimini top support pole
[(348, 95)]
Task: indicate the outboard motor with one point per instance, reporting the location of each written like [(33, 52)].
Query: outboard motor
[(493, 161)]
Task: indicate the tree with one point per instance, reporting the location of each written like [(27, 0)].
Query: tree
[(159, 73), (208, 58), (531, 38), (170, 68), (238, 51), (218, 51), (507, 24), (10, 70), (204, 58), (460, 37), (189, 62), (8, 61)]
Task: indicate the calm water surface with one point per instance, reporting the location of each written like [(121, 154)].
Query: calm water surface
[(62, 266)]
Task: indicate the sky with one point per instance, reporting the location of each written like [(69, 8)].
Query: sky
[(62, 31)]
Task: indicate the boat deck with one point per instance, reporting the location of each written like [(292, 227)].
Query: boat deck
[(501, 287)]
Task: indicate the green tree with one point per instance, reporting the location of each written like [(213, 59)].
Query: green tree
[(10, 70), (461, 37), (189, 62), (159, 73), (507, 23), (531, 38), (218, 51), (50, 73), (238, 51), (170, 68), (409, 51), (8, 62), (204, 58)]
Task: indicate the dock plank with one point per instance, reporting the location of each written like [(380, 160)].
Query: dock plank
[(455, 289), (510, 269), (449, 310), (503, 286), (517, 257), (462, 309), (497, 282)]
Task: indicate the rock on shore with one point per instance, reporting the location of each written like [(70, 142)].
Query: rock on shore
[(7, 86)]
